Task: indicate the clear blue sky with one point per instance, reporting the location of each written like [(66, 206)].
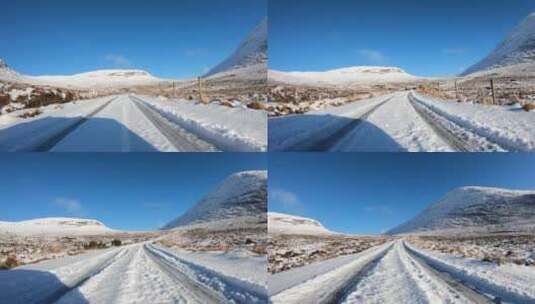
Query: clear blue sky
[(128, 191), (424, 37), (373, 192), (169, 38)]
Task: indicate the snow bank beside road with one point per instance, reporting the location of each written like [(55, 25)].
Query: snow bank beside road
[(231, 287), (239, 265), (508, 126), (513, 283), (231, 129)]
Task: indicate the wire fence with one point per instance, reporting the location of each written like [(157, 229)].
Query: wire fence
[(492, 91)]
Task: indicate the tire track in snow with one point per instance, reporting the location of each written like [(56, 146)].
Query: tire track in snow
[(82, 279), (332, 286), (459, 287), (202, 293), (181, 139), (485, 287), (224, 289), (457, 137), (54, 140), (325, 143), (138, 276), (399, 277)]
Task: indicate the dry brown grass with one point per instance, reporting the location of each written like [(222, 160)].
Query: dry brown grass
[(528, 107), (4, 100), (255, 105), (10, 262), (31, 113)]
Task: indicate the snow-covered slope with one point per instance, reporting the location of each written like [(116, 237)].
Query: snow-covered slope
[(476, 209), (342, 77), (290, 224), (242, 194), (54, 226), (8, 74), (518, 47), (251, 52), (100, 79)]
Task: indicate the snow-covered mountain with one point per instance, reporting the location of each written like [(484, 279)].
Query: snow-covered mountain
[(242, 194), (251, 52), (8, 74), (281, 223), (518, 47), (54, 227), (100, 79), (476, 209), (342, 77)]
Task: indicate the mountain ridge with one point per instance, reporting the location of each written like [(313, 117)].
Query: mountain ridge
[(517, 47), (251, 51), (475, 208), (239, 195)]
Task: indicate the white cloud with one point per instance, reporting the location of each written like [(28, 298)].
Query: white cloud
[(373, 56), (70, 206), (118, 60), (286, 199), (454, 51)]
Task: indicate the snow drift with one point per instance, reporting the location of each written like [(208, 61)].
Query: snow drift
[(242, 194), (476, 209), (517, 48), (290, 224)]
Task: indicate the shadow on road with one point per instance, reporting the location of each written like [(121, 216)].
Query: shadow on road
[(316, 133), (34, 287), (93, 135)]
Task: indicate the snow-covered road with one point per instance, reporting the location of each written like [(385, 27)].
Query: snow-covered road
[(128, 125), (399, 273), (139, 273), (134, 124), (405, 121)]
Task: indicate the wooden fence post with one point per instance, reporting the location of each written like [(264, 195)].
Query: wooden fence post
[(493, 92), (456, 92), (201, 95)]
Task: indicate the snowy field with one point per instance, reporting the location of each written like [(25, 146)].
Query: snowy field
[(406, 122), (132, 124)]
